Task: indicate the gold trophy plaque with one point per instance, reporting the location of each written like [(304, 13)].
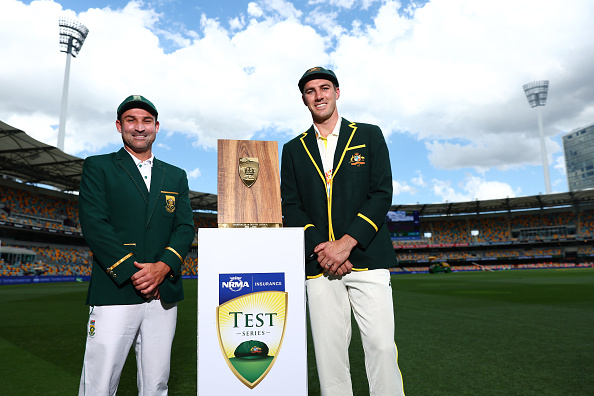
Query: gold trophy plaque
[(249, 169), (248, 184)]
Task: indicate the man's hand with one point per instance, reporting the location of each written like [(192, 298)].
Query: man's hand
[(150, 276), (344, 269), (154, 294), (333, 255)]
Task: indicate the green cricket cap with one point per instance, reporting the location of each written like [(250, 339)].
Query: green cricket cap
[(137, 102), (315, 73), (252, 349)]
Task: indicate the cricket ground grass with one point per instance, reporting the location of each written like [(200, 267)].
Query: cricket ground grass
[(528, 332)]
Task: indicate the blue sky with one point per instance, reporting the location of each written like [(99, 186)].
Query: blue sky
[(443, 79)]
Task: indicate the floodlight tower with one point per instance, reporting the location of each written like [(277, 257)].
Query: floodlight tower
[(72, 37), (536, 93)]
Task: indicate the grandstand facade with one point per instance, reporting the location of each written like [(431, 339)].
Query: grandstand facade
[(44, 225)]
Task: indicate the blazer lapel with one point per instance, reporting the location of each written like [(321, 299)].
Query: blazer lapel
[(310, 145), (127, 164), (157, 179)]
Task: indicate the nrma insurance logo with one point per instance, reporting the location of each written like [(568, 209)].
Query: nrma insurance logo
[(251, 320), (235, 285)]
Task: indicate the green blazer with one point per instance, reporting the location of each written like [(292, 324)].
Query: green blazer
[(123, 223), (360, 194)]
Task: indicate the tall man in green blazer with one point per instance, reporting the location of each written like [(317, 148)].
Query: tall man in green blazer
[(136, 217), (336, 183)]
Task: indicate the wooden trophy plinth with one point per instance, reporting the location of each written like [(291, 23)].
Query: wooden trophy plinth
[(248, 184)]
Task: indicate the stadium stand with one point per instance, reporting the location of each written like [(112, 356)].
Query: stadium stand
[(38, 214), (511, 240), (32, 218)]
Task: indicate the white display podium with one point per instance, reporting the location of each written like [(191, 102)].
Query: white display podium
[(252, 336)]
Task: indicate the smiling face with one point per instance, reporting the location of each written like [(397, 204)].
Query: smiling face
[(320, 97), (139, 129)]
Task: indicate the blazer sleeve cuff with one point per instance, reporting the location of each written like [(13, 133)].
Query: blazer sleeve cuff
[(363, 229), (123, 269), (173, 259)]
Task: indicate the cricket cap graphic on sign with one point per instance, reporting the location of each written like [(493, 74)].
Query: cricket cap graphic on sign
[(251, 320), (252, 350)]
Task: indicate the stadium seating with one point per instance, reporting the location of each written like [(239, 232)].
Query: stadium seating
[(25, 207), (496, 233)]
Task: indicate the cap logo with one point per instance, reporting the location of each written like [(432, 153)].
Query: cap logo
[(313, 69), (136, 97)]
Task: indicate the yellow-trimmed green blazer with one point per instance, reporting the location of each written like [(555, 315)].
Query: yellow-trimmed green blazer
[(122, 222), (359, 197)]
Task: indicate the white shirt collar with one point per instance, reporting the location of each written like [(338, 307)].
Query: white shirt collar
[(335, 131), (138, 162)]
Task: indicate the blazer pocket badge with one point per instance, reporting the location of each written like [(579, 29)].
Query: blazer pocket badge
[(357, 160), (170, 203)]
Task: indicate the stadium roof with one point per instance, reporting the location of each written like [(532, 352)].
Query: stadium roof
[(203, 201), (33, 162), (548, 201)]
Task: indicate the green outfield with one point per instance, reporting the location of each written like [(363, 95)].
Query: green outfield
[(527, 332)]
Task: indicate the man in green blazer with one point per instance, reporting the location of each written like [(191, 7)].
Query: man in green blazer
[(136, 217), (336, 183)]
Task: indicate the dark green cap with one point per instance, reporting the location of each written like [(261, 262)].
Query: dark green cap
[(137, 102), (251, 349), (315, 73)]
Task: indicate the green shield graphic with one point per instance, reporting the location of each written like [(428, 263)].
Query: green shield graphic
[(251, 329)]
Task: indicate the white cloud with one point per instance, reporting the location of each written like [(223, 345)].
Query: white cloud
[(237, 23), (400, 187), (444, 190), (450, 73), (559, 165), (491, 151), (284, 9), (222, 85), (194, 174), (419, 180), (338, 3), (347, 4), (472, 188), (326, 21), (254, 10)]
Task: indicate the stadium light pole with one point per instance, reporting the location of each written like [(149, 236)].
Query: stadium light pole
[(72, 37), (536, 93)]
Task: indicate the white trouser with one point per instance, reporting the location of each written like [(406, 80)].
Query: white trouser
[(111, 330), (369, 295)]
